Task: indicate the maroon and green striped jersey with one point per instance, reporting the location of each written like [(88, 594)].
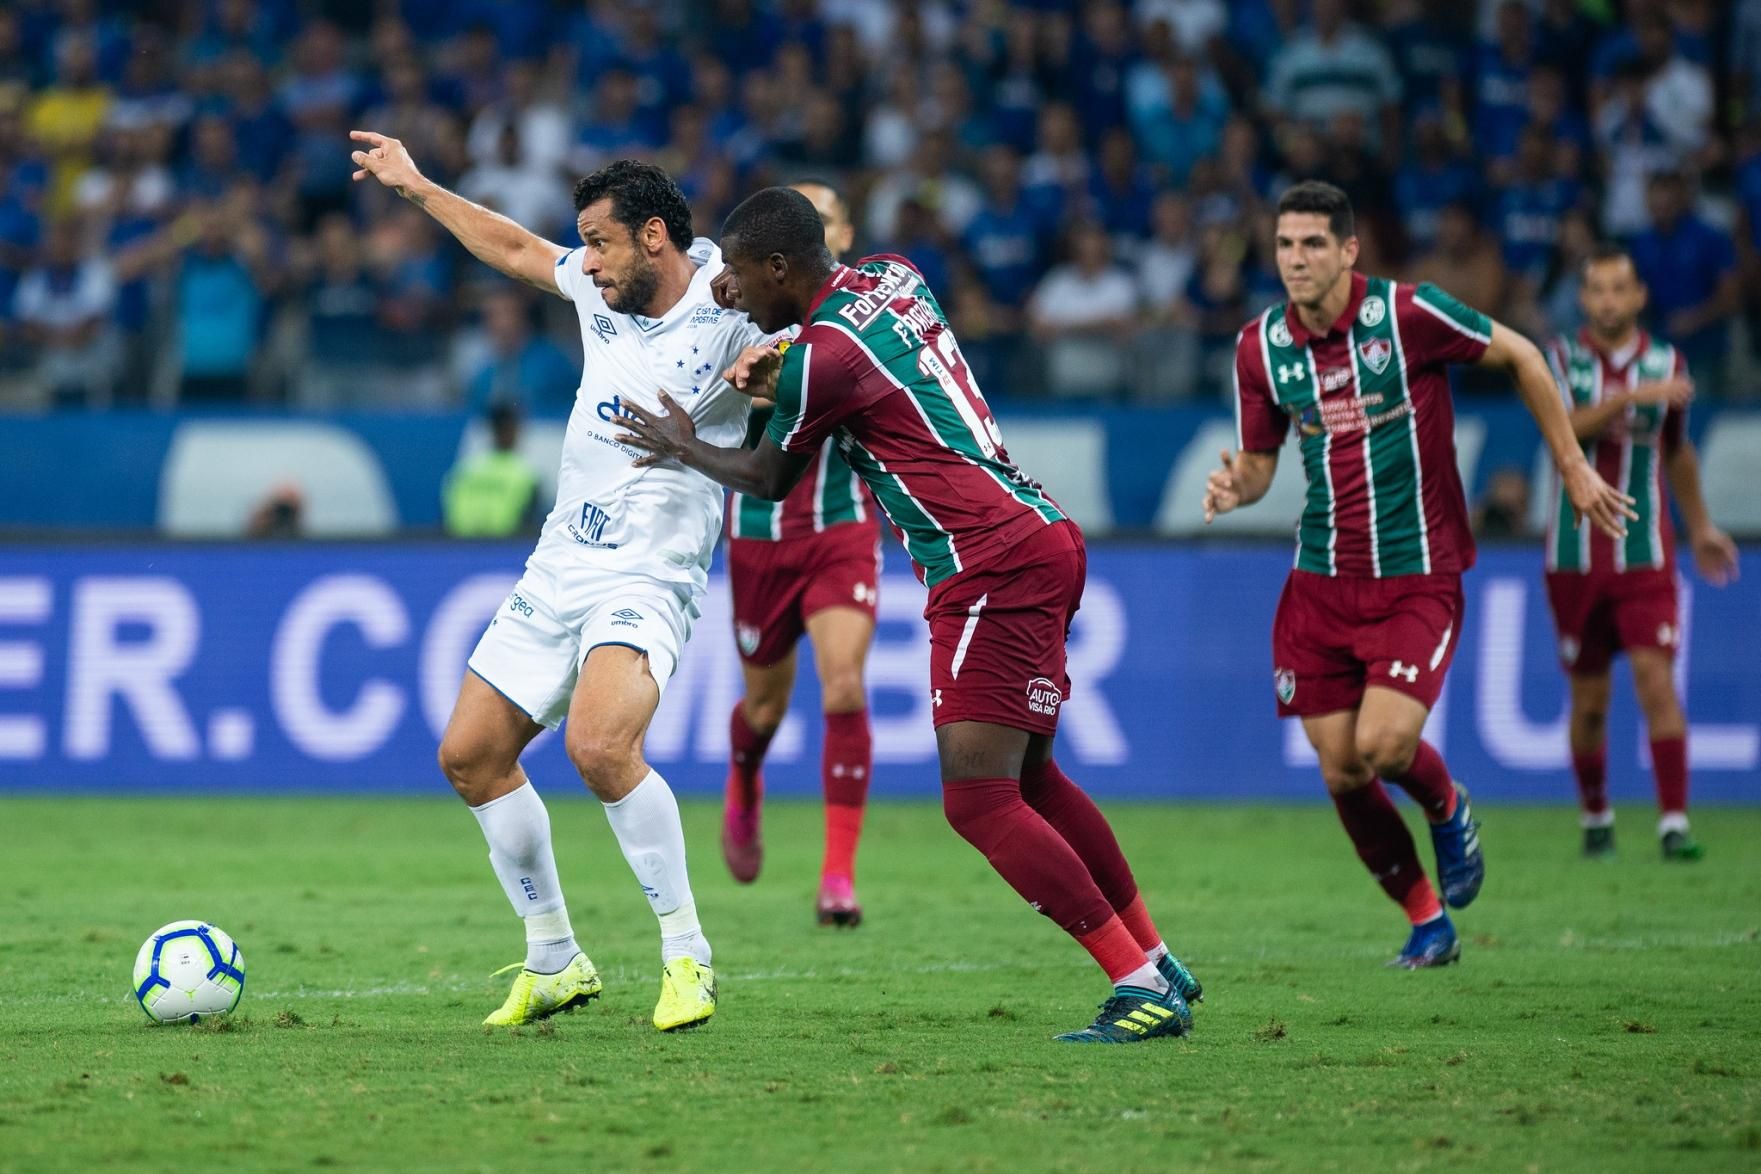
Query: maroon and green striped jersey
[(1629, 454), (1370, 402), (877, 368), (828, 494)]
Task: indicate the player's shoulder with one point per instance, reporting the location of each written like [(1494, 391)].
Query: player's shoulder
[(1266, 327)]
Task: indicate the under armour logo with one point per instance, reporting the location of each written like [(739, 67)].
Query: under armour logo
[(865, 594), (936, 699), (1402, 669), (1289, 372)]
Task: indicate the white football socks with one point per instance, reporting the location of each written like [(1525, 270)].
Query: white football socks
[(1145, 978), (646, 823), (518, 830)]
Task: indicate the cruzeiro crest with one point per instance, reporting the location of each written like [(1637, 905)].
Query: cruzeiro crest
[(1375, 352), (1372, 311)]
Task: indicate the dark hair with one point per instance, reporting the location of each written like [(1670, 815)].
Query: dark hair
[(1607, 251), (778, 221), (638, 192), (1313, 195)]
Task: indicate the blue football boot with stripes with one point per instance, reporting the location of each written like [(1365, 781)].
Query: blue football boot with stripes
[(1460, 866), (1431, 944), (1180, 978), (1133, 1015)]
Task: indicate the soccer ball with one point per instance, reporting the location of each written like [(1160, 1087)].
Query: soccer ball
[(187, 971)]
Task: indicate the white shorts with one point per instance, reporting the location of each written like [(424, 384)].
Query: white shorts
[(533, 649)]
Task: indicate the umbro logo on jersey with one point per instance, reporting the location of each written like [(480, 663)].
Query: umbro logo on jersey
[(604, 327), (627, 613)]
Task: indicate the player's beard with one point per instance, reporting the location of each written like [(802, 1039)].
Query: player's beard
[(635, 289)]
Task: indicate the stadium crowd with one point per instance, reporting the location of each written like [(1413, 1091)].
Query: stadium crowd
[(1086, 185)]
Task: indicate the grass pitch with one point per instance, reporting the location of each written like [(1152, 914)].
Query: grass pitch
[(1604, 1016)]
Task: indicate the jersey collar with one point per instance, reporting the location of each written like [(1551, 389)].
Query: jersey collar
[(838, 280), (1300, 334), (695, 295), (1623, 358)]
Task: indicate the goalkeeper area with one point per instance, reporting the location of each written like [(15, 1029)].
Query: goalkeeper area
[(1603, 1015)]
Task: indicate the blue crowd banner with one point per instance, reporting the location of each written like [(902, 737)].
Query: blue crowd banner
[(332, 668)]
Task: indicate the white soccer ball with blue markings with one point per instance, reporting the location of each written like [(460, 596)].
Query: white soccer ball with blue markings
[(187, 971)]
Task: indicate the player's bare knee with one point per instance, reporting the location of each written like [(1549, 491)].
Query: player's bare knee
[(841, 690), (765, 714), (470, 767), (609, 765), (1387, 750), (1346, 776)]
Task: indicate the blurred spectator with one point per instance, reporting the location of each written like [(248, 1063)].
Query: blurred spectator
[(1003, 239), (1557, 305), (541, 126), (493, 494), (67, 116), (1180, 121), (529, 194), (1431, 177), (281, 515), (1689, 268), (1504, 511), (63, 308), (1461, 261), (518, 365), (1080, 314), (971, 134), (1501, 98), (930, 179), (1334, 67)]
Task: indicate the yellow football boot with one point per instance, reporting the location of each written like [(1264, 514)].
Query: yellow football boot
[(687, 994), (539, 996)]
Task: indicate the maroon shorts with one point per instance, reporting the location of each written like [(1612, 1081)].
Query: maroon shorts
[(1335, 636), (997, 634), (1601, 612), (778, 585)]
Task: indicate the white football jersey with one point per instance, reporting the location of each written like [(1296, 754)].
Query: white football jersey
[(661, 521)]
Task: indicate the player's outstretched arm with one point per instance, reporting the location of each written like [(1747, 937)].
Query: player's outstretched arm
[(1591, 420), (1243, 480), (767, 471), (1714, 553), (1591, 497), (492, 238)]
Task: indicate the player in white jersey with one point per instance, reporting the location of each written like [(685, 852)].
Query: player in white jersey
[(594, 628)]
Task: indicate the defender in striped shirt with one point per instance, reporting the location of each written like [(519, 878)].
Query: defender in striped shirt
[(1628, 395), (808, 564), (877, 366), (1370, 614)]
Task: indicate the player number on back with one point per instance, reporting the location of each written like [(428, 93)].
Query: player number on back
[(944, 364)]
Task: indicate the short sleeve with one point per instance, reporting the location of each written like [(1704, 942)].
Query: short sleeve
[(1260, 424), (816, 391), (1438, 329), (569, 277), (1675, 420)]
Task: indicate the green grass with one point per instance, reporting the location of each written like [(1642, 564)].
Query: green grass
[(1604, 1017)]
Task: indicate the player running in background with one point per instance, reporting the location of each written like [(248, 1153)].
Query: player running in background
[(809, 563), (877, 367), (1628, 394), (595, 626), (1370, 615)]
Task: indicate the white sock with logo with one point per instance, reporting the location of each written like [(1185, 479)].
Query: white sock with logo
[(518, 830), (646, 823)]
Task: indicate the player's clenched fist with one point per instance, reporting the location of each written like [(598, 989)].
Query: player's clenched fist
[(385, 160), (1222, 489), (755, 372)]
